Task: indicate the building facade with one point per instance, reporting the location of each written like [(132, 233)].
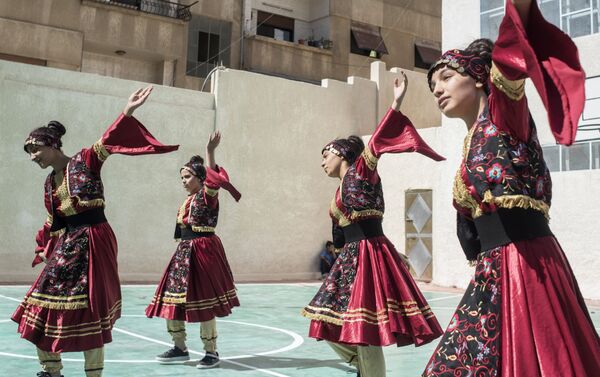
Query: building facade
[(178, 43)]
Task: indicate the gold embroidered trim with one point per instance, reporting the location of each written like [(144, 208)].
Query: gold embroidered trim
[(517, 201), (57, 305), (369, 158), (66, 202), (337, 214), (58, 302), (195, 305), (90, 203), (514, 89), (57, 233), (211, 192), (181, 212), (49, 219), (80, 330), (365, 213), (405, 308), (198, 228), (460, 192), (101, 151)]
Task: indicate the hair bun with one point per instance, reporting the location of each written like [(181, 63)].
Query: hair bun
[(57, 127), (482, 47), (197, 159)]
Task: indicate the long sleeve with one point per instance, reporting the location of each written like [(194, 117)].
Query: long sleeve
[(126, 136), (396, 134), (45, 241), (216, 179), (549, 57)]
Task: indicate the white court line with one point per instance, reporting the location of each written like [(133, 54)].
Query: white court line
[(199, 353), (11, 298), (298, 340), (443, 298), (5, 320)]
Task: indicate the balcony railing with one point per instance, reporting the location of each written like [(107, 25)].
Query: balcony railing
[(159, 7)]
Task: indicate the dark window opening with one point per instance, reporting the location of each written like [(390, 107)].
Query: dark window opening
[(366, 40), (425, 56), (274, 26), (208, 47)]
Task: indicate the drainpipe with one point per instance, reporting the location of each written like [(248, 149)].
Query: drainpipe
[(243, 33)]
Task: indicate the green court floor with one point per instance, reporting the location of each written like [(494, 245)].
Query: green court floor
[(266, 336)]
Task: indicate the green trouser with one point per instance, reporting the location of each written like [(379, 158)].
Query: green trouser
[(94, 361), (368, 360), (208, 333)]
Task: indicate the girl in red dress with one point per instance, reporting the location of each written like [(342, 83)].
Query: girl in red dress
[(197, 285), (75, 301), (522, 314), (369, 299)]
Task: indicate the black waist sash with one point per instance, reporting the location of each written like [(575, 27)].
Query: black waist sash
[(91, 217), (186, 233), (510, 225), (362, 230)]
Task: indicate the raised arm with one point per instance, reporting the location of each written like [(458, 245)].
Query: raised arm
[(522, 7), (530, 46), (395, 133), (213, 142)]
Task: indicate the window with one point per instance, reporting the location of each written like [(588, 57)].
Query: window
[(574, 17), (426, 54), (274, 26), (208, 47), (207, 42), (366, 40)]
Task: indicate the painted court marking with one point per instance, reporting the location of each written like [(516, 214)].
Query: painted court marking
[(297, 342)]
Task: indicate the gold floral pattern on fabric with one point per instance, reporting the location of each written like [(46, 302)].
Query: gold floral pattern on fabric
[(514, 89), (369, 158), (38, 322), (101, 151)]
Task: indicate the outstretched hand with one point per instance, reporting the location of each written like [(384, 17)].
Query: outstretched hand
[(213, 141), (400, 87), (137, 99)]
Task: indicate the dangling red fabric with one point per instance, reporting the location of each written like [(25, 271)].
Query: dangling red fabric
[(396, 134)]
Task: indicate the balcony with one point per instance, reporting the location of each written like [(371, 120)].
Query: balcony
[(158, 7)]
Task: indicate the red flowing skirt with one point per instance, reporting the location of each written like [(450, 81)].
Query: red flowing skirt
[(197, 285), (370, 298), (57, 320), (522, 315)]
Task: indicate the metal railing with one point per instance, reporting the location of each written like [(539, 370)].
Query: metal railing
[(159, 7)]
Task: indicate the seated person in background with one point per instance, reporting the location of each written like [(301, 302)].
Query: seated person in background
[(326, 258)]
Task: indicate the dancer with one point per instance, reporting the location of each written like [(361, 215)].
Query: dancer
[(197, 285), (369, 298), (75, 301), (522, 314)]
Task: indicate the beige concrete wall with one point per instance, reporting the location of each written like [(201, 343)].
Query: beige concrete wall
[(274, 130), (268, 55), (143, 193)]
